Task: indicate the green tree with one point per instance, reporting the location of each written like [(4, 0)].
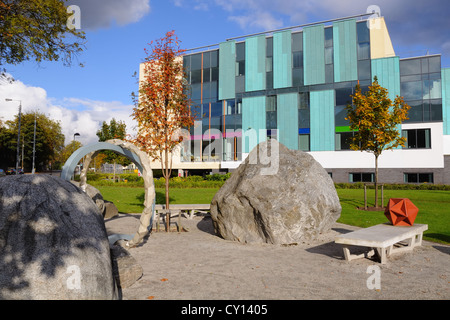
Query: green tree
[(48, 143), (37, 29), (67, 151), (375, 120), (114, 130)]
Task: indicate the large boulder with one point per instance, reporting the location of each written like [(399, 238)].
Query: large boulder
[(277, 196), (53, 242), (107, 208)]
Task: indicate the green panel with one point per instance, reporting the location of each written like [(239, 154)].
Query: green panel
[(388, 72), (282, 59), (227, 70), (322, 120), (253, 122), (255, 63), (446, 99), (345, 51), (343, 129), (287, 119), (314, 54)]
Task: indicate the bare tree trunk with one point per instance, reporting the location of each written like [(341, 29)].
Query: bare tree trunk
[(376, 180), (167, 177)]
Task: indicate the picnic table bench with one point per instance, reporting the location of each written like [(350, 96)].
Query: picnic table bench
[(160, 209), (383, 239)]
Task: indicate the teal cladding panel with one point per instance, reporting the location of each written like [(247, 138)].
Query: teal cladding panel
[(282, 59), (345, 51), (314, 54), (227, 70), (253, 122), (446, 99), (287, 119), (255, 63), (322, 120), (387, 71)]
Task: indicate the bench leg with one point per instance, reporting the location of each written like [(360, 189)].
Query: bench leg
[(383, 253), (348, 256)]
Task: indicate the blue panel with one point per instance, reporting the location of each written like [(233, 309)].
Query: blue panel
[(345, 51), (253, 122), (282, 59), (287, 119), (446, 99), (227, 71), (322, 120), (304, 131), (255, 63), (314, 54)]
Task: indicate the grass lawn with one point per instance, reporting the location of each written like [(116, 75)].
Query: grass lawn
[(434, 205)]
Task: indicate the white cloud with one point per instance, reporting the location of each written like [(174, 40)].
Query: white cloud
[(76, 115), (101, 13)]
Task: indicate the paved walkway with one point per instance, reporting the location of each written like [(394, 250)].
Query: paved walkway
[(197, 265)]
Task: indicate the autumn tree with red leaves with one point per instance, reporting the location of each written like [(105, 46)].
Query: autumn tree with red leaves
[(162, 107)]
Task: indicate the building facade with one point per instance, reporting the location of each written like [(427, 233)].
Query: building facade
[(293, 85)]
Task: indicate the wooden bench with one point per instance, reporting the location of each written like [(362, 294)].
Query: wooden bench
[(383, 239)]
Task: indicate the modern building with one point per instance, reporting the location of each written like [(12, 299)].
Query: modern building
[(298, 81)]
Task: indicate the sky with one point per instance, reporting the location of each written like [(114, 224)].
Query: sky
[(118, 31)]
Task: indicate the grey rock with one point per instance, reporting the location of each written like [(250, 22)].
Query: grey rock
[(126, 270), (107, 208), (295, 202), (53, 242)]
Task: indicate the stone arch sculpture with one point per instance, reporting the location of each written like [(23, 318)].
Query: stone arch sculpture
[(135, 155)]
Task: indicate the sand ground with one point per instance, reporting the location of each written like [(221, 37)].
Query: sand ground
[(198, 265)]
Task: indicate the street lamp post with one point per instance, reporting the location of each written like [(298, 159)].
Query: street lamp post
[(18, 134), (33, 169)]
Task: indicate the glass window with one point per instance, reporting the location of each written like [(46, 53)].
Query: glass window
[(343, 96), (303, 142), (206, 60), (417, 138), (196, 91), (415, 114), (240, 51), (216, 109), (434, 64), (340, 113), (328, 55), (240, 84), (418, 177), (215, 74), (303, 100), (363, 51), (214, 59), (410, 66), (342, 140), (269, 47), (240, 68), (361, 177), (207, 75), (364, 70), (196, 61), (297, 41), (196, 76), (363, 32), (297, 77), (271, 103), (269, 64), (297, 59), (271, 112), (329, 73), (412, 90), (436, 110), (432, 89), (329, 37)]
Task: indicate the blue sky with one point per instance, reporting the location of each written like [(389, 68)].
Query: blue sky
[(117, 32)]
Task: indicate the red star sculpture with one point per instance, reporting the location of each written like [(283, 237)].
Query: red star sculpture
[(401, 212)]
